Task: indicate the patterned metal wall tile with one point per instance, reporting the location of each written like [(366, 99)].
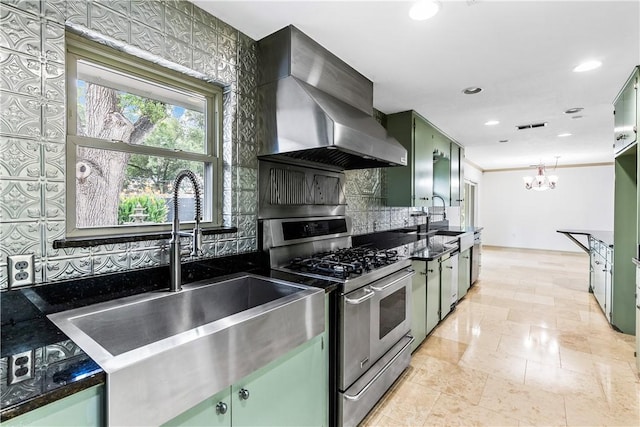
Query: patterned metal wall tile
[(178, 51), (110, 248), (147, 38), (120, 6), (54, 42), (21, 200), (247, 53), (227, 49), (247, 179), (110, 263), (19, 158), (227, 30), (54, 230), (247, 245), (227, 204), (227, 73), (54, 200), (19, 115), (54, 82), (247, 225), (247, 113), (69, 268), (182, 5), (53, 123), (4, 284), (78, 12), (150, 13), (110, 23), (20, 238), (204, 17), (55, 10), (145, 258), (247, 202), (178, 24), (205, 38), (20, 31), (20, 73), (247, 81), (247, 155), (205, 62), (54, 161), (226, 247), (29, 6)]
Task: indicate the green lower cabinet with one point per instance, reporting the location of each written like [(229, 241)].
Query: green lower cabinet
[(84, 408), (433, 295), (419, 303), (464, 273), (214, 412), (290, 392)]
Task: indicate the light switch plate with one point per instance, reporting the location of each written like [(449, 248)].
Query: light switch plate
[(21, 270)]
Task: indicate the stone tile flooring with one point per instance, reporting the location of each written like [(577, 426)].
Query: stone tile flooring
[(528, 345)]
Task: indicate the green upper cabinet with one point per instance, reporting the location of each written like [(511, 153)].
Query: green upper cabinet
[(411, 185), (434, 164), (625, 110)]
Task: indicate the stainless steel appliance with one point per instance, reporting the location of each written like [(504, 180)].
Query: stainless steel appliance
[(475, 257), (314, 107), (371, 309)]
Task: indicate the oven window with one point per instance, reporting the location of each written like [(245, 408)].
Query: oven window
[(393, 311)]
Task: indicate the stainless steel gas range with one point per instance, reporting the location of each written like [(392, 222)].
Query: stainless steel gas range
[(369, 314)]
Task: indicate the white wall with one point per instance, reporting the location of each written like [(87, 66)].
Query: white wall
[(515, 217), (473, 174)]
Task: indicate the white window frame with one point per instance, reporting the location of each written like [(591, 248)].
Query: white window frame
[(79, 48)]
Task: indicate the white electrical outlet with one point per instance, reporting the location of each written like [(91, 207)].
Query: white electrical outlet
[(20, 367), (21, 270)]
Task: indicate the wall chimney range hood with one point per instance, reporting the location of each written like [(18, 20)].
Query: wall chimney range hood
[(315, 108)]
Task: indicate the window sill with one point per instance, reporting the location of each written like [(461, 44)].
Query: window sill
[(83, 242)]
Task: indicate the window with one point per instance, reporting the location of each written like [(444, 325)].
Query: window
[(132, 126)]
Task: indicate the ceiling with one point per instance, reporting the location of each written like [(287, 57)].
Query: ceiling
[(520, 52)]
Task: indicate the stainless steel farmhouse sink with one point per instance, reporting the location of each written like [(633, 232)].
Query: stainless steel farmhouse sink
[(165, 352)]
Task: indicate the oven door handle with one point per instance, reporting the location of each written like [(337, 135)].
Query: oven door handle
[(368, 295), (388, 285), (379, 374)]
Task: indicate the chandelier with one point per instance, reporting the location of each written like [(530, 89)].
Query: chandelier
[(541, 181)]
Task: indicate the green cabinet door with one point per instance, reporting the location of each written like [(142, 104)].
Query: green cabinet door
[(84, 408), (625, 118), (213, 412), (464, 273), (446, 275), (419, 303), (433, 295), (290, 391), (422, 162)]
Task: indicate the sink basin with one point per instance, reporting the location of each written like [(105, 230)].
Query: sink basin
[(165, 352)]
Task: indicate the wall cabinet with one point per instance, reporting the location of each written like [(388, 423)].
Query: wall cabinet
[(626, 113), (84, 408), (434, 164), (411, 185), (464, 273)]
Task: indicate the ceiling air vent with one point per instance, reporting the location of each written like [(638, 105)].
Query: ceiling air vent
[(532, 126)]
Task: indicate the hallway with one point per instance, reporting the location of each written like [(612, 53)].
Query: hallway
[(527, 346)]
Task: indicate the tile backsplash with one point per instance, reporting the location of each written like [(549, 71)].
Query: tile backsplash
[(32, 129)]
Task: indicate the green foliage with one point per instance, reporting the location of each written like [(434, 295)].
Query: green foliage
[(155, 208), (136, 106)]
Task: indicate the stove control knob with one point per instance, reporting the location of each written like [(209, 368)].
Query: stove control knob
[(243, 394)]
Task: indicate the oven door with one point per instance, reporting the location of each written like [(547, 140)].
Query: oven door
[(374, 318), (390, 311)]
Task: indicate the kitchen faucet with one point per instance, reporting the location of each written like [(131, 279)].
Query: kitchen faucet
[(444, 205), (196, 234)]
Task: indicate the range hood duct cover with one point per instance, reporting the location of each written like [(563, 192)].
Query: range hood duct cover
[(303, 117)]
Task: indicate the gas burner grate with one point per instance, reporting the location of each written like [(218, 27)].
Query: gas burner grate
[(344, 263)]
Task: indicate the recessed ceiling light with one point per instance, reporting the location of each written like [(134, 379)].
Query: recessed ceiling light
[(423, 10), (587, 66), (504, 140), (562, 135), (472, 90), (492, 123), (573, 110)]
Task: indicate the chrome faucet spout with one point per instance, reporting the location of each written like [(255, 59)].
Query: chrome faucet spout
[(195, 234), (444, 205)]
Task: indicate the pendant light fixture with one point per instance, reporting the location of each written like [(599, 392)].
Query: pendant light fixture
[(541, 181)]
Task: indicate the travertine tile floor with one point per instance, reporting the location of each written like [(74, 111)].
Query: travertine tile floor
[(527, 346)]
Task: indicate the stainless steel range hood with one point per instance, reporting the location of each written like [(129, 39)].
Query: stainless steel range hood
[(313, 107)]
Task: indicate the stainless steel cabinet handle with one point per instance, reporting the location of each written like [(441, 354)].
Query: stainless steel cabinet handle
[(423, 273), (621, 136), (430, 270), (448, 266), (243, 394), (221, 408), (368, 295)]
